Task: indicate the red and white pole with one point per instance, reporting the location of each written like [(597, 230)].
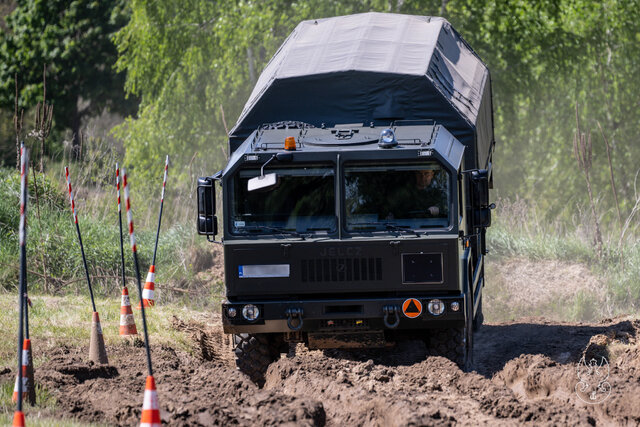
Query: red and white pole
[(134, 249), (18, 416), (75, 220)]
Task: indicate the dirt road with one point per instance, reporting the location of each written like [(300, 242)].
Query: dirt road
[(525, 372)]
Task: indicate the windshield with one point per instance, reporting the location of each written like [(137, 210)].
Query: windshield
[(395, 198), (303, 201)]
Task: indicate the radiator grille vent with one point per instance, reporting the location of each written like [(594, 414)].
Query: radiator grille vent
[(341, 269)]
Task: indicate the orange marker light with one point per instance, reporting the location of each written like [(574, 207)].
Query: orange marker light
[(290, 143)]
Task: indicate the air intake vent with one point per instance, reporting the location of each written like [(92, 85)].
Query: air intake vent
[(341, 269)]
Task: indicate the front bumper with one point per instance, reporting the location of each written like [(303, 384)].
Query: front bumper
[(326, 315)]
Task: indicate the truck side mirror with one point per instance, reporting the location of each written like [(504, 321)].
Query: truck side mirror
[(207, 221), (481, 211)]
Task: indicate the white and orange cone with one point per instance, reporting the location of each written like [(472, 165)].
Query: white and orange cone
[(150, 409), (127, 322), (27, 382), (148, 293), (97, 350), (18, 419)]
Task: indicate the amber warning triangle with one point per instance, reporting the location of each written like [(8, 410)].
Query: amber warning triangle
[(412, 308)]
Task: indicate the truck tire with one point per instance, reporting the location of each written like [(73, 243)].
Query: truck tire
[(479, 319), (450, 343), (254, 353)]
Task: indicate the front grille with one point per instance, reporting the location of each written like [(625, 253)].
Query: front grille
[(341, 269)]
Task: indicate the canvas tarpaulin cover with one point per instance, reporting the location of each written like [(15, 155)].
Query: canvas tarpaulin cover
[(375, 67)]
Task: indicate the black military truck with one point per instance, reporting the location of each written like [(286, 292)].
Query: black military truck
[(356, 197)]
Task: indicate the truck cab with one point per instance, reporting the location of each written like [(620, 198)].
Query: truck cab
[(350, 234)]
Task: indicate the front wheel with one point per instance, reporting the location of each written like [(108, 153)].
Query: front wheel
[(255, 352), (452, 344)]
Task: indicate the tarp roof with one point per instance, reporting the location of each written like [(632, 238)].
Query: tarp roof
[(375, 67)]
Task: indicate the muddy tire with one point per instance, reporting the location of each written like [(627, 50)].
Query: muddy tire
[(479, 319), (254, 353), (450, 343)]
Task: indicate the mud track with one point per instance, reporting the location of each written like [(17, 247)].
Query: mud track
[(525, 373)]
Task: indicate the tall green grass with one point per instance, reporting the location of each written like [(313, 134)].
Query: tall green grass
[(52, 239), (518, 231)]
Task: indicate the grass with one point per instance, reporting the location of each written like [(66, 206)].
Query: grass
[(56, 321), (45, 399), (34, 420), (66, 320), (606, 286), (52, 241)]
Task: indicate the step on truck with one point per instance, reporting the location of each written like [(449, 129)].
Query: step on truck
[(355, 201)]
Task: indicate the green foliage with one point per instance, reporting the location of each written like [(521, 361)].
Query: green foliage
[(49, 197), (53, 237), (73, 40), (185, 61)]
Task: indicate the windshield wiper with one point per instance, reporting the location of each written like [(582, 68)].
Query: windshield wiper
[(389, 226), (281, 230)]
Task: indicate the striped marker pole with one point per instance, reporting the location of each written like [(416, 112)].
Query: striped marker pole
[(18, 416), (75, 219), (134, 249), (27, 302), (150, 411), (124, 284), (164, 186), (148, 294), (97, 350)]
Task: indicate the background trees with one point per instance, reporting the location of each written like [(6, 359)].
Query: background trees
[(73, 40), (193, 63)]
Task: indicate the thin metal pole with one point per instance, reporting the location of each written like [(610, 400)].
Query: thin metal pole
[(23, 268), (164, 185), (75, 219), (124, 284), (132, 239), (26, 309), (23, 263)]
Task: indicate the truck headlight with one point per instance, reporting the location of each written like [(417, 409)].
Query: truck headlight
[(435, 307), (250, 312), (231, 312), (455, 306)]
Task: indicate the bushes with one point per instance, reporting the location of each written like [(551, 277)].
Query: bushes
[(52, 240)]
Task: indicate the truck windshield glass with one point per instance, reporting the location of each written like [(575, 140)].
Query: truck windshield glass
[(408, 197), (303, 201)]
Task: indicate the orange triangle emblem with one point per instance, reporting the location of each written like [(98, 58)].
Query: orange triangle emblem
[(412, 308)]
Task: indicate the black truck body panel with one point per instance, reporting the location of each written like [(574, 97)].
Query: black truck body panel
[(376, 67), (352, 266), (343, 272)]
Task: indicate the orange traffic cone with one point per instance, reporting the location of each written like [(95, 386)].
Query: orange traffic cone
[(97, 350), (148, 294), (127, 323), (18, 419), (26, 383), (150, 409)]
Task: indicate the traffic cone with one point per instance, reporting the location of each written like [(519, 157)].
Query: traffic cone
[(97, 351), (18, 419), (30, 372), (27, 379), (127, 323), (148, 294), (150, 409)]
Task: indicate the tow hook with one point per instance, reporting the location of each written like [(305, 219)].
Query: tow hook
[(391, 310), (294, 313)]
